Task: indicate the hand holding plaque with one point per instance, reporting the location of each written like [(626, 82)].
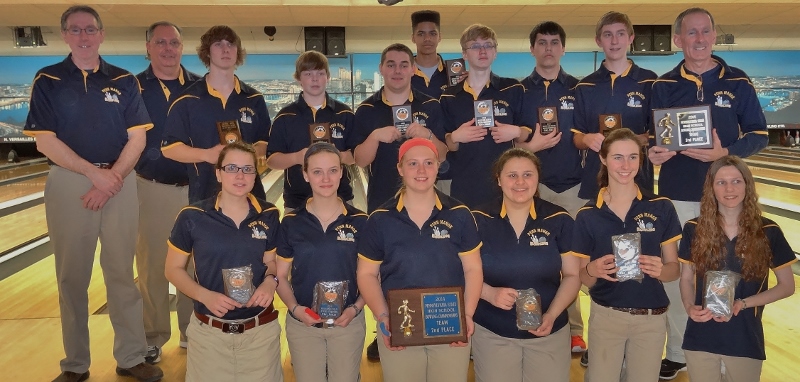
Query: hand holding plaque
[(238, 283), (426, 316), (455, 68), (719, 292), (229, 132), (627, 248), (529, 309), (609, 123), (683, 128), (329, 299), (484, 113), (402, 118), (320, 132), (548, 119)]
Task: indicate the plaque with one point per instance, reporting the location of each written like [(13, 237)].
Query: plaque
[(402, 118), (484, 114), (238, 283), (683, 128), (229, 132), (455, 68), (719, 292), (329, 298), (426, 316), (627, 248), (609, 123), (529, 309), (320, 132), (548, 119)]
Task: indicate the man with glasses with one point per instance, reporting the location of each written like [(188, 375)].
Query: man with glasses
[(88, 118), (162, 186), (473, 148), (740, 128)]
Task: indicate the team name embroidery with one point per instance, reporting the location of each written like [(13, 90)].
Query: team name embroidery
[(635, 99), (420, 117), (346, 232), (567, 102), (111, 94), (441, 232), (538, 237), (500, 111), (724, 98), (258, 233), (247, 115), (645, 222), (336, 130)]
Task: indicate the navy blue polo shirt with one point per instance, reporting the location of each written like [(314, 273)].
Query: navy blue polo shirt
[(411, 257), (532, 260), (192, 120), (654, 218), (289, 134), (158, 95), (216, 243), (433, 86), (735, 113), (376, 112), (743, 335), (471, 165), (90, 111), (317, 255), (561, 164), (605, 92)]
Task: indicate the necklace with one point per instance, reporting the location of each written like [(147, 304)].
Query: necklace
[(330, 218)]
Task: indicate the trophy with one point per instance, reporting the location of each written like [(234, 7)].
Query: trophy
[(402, 118), (548, 119), (238, 283), (682, 128), (627, 248), (320, 132), (329, 299), (609, 123), (229, 132), (529, 309), (426, 316), (484, 114), (720, 289), (455, 68)]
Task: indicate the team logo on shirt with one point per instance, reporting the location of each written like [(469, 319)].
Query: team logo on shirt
[(346, 232), (538, 237), (246, 115), (645, 222), (259, 230), (567, 102), (421, 118), (111, 94), (635, 99), (500, 108), (724, 98), (441, 229), (336, 130)]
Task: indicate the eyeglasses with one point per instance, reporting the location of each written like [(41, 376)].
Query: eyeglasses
[(233, 169), (75, 31), (485, 46), (175, 44)]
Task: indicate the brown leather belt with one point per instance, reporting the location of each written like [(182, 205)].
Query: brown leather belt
[(641, 311), (265, 317), (149, 179)]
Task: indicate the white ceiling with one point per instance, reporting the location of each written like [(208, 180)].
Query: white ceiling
[(757, 24)]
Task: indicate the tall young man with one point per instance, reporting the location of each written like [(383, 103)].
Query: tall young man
[(430, 76)]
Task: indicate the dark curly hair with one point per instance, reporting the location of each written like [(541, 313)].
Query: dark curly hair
[(219, 33)]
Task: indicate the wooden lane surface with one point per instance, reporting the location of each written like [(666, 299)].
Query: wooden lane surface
[(23, 170), (22, 226), (22, 188), (790, 176)]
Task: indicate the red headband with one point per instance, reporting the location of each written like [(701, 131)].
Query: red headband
[(414, 142)]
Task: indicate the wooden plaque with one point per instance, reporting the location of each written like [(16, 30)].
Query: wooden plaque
[(682, 128), (455, 68), (229, 132), (609, 123), (320, 132), (548, 119), (484, 113), (427, 316)]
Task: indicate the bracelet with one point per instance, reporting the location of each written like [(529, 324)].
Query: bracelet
[(354, 308), (292, 311), (274, 278), (587, 269), (384, 314), (744, 303)]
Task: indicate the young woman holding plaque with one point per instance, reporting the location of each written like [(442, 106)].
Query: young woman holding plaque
[(421, 238), (317, 246), (730, 235), (231, 237), (525, 245), (627, 320)]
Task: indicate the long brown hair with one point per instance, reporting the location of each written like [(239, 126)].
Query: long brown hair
[(615, 135), (512, 153), (708, 246)]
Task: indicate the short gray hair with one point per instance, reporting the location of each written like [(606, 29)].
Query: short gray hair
[(676, 28), (149, 34), (80, 9)]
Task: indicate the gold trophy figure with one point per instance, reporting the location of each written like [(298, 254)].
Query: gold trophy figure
[(667, 124), (404, 311)]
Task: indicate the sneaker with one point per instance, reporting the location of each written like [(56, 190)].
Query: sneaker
[(585, 359), (68, 376), (670, 369), (153, 355), (578, 345), (372, 351), (143, 372)]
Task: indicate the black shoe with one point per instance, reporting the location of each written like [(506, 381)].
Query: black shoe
[(372, 351), (144, 372), (153, 355), (585, 359), (68, 376), (670, 369)]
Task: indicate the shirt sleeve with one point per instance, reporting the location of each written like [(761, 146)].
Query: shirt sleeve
[(565, 233), (41, 116), (752, 123), (371, 244), (177, 129), (347, 119), (181, 237), (435, 120), (278, 140), (782, 253), (685, 248), (672, 225), (581, 119), (271, 217), (136, 114), (363, 125), (264, 123), (582, 239), (282, 243), (469, 240)]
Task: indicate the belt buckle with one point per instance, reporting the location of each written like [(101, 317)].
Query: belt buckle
[(232, 328)]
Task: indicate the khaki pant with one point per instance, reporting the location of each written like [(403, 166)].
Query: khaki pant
[(432, 363), (159, 204), (570, 201), (514, 360), (319, 352), (677, 317), (213, 355), (615, 336), (74, 231), (706, 367)]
